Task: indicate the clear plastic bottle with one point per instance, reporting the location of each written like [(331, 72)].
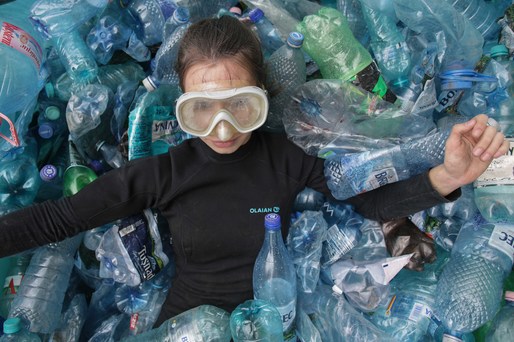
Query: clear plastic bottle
[(200, 9), (20, 67), (274, 276), (256, 320), (15, 332), (388, 44), (352, 10), (332, 45), (351, 174), (481, 14), (149, 17), (166, 56), (502, 328), (468, 291), (41, 294), (286, 72), (15, 272), (202, 323), (309, 199), (266, 31)]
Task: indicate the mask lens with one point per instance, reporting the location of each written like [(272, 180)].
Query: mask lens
[(245, 109)]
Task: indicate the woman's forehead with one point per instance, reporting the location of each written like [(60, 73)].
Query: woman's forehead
[(209, 76)]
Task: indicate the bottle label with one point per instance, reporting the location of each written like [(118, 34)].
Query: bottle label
[(500, 171), (16, 38), (11, 284), (448, 98), (141, 240), (381, 177), (337, 243), (406, 307), (502, 238), (288, 313), (166, 131)]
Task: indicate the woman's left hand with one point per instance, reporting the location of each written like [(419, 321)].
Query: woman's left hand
[(470, 148)]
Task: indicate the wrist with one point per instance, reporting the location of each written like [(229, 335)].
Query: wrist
[(442, 181)]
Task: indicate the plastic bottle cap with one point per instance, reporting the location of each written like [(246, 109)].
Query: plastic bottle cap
[(48, 173), (45, 131), (149, 84), (12, 325), (295, 39), (272, 221), (52, 113), (509, 296), (181, 15), (236, 10), (499, 50), (255, 15)]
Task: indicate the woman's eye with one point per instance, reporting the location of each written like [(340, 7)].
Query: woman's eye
[(201, 106), (239, 104)]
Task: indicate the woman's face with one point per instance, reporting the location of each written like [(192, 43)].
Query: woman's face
[(224, 74)]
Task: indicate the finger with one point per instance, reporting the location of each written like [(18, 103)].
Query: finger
[(458, 130), (484, 142), (493, 148), (504, 148), (480, 126)]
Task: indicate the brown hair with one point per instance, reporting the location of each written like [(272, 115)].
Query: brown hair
[(214, 39)]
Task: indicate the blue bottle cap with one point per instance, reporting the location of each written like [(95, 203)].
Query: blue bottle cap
[(272, 221), (255, 15), (12, 325), (45, 131), (499, 50), (181, 15), (52, 113), (48, 173), (295, 39)]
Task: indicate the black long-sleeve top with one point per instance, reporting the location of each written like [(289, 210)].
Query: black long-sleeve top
[(214, 205)]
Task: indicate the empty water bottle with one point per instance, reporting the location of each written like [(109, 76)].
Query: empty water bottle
[(481, 14), (15, 272), (77, 174), (267, 33), (274, 278), (15, 332), (149, 17), (351, 174), (166, 57), (470, 287), (309, 199), (41, 294), (256, 320), (203, 323), (352, 10), (200, 9), (502, 328), (286, 72)]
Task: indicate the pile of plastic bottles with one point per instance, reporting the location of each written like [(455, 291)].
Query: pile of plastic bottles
[(371, 86)]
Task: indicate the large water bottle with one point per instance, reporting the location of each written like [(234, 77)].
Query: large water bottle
[(203, 323), (481, 14), (352, 10), (352, 174), (387, 42), (15, 332), (22, 52), (470, 288), (256, 320), (494, 189), (17, 267), (149, 17), (286, 72), (166, 57), (111, 75), (268, 34), (41, 294), (332, 45), (502, 328), (274, 277)]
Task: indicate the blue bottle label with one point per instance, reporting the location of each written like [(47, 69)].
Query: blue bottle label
[(165, 129), (16, 38), (409, 308), (143, 247)]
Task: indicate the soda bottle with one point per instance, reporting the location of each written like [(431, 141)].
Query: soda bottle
[(256, 320), (274, 277), (202, 323)]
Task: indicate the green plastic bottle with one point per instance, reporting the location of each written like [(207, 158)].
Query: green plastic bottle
[(77, 175)]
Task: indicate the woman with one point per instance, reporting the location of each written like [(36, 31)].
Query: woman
[(215, 189)]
